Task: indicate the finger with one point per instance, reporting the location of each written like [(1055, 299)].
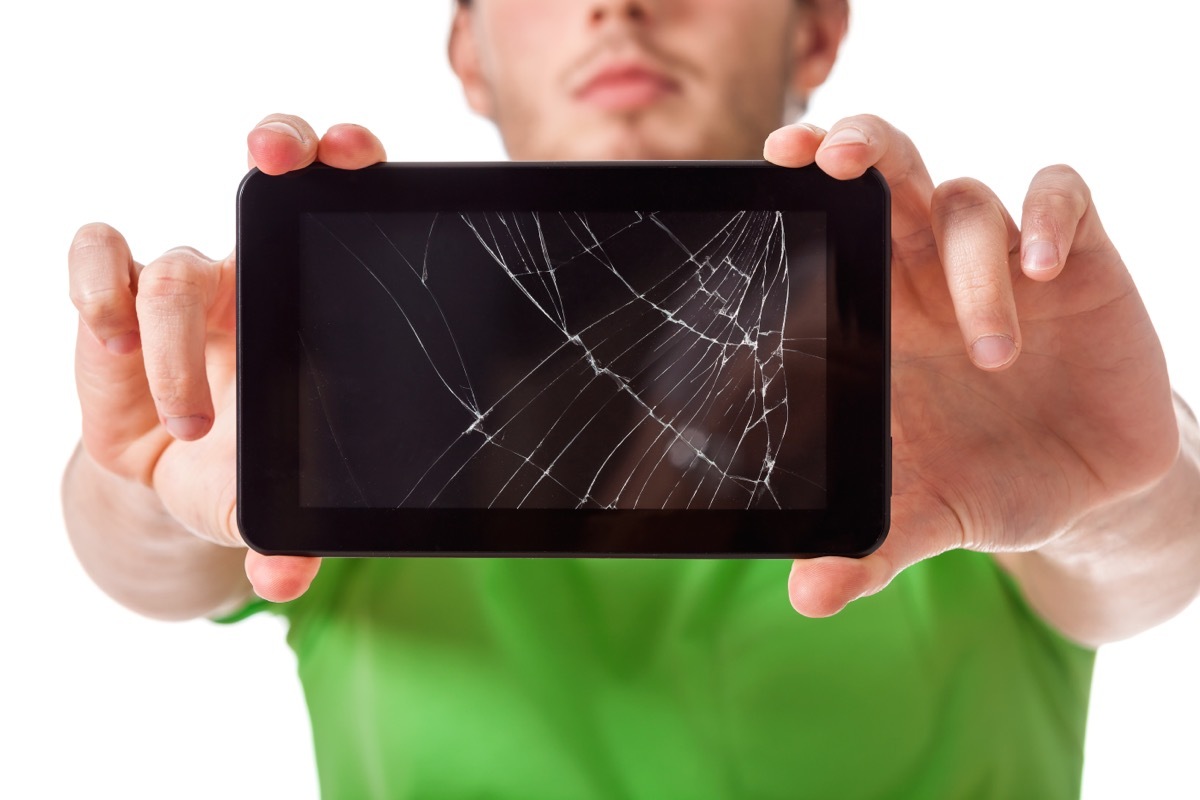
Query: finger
[(281, 143), (175, 295), (974, 236), (103, 282), (349, 146), (280, 578), (197, 484), (793, 145), (1057, 202), (857, 143), (114, 399), (821, 587)]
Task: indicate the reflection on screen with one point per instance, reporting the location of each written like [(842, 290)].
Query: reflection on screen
[(563, 360)]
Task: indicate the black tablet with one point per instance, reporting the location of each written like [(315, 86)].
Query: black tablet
[(567, 359)]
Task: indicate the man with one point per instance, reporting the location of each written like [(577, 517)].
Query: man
[(1047, 437)]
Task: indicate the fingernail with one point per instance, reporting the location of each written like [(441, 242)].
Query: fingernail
[(811, 127), (1040, 255), (281, 127), (186, 428), (993, 350), (845, 136), (125, 344)]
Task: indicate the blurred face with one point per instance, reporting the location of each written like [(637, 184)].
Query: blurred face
[(651, 79)]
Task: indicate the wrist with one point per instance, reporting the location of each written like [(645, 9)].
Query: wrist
[(1138, 518), (138, 553), (1127, 565)]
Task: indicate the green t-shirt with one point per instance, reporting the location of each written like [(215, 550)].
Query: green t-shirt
[(448, 678)]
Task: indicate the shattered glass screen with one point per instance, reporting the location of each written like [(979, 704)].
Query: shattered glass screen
[(628, 360)]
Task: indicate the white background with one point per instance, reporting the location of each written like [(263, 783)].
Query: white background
[(135, 113)]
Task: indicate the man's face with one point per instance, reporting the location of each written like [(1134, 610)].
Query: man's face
[(651, 79)]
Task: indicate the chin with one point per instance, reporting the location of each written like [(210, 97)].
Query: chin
[(628, 146), (628, 149), (641, 138)]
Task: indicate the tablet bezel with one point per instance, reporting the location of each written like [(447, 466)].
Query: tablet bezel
[(856, 518)]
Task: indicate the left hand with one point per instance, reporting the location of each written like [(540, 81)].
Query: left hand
[(1028, 384)]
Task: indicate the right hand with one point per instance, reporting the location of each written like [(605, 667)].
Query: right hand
[(155, 360)]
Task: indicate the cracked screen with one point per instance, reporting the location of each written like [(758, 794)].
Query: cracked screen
[(627, 360)]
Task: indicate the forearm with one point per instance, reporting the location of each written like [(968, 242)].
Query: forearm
[(141, 556), (1127, 566)]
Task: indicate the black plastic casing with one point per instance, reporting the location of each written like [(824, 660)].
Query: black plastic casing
[(856, 518)]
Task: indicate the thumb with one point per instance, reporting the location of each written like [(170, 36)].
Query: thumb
[(821, 587), (280, 578), (281, 143)]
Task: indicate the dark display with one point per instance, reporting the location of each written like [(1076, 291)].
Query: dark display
[(624, 360)]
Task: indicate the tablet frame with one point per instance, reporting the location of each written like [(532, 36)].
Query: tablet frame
[(857, 516)]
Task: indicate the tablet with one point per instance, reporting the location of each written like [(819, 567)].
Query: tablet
[(563, 359)]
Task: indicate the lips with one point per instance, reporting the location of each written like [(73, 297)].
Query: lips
[(625, 87)]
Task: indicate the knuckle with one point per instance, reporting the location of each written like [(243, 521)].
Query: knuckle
[(101, 305), (1055, 197), (174, 280), (877, 128), (100, 294), (96, 236), (981, 290), (1044, 217), (93, 242), (1059, 173), (872, 121), (1059, 189), (963, 196), (188, 252), (175, 392), (968, 191)]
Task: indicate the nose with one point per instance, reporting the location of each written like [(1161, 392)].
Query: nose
[(619, 10)]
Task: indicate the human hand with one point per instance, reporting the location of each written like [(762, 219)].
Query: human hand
[(1028, 384), (155, 360)]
